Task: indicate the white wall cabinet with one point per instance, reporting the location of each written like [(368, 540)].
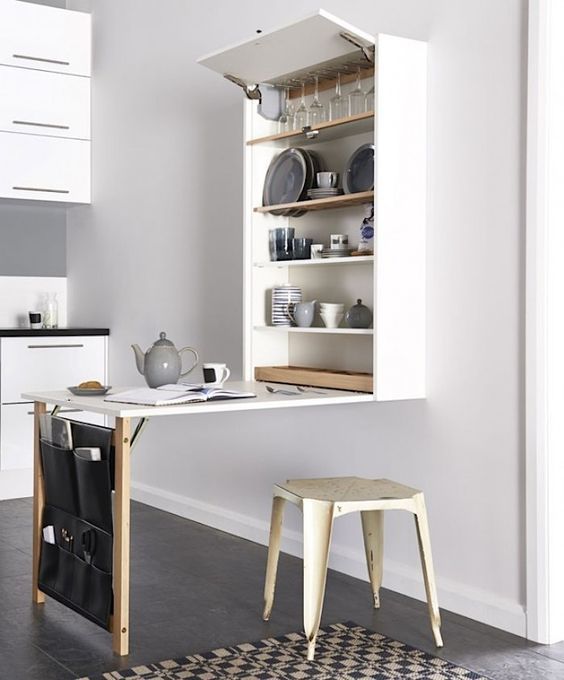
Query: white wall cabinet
[(45, 56), (44, 168), (45, 38), (40, 103), (392, 281), (40, 362)]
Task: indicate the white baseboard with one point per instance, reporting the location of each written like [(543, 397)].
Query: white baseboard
[(455, 597)]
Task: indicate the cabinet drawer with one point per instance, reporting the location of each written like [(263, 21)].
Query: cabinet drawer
[(49, 364), (40, 103), (16, 433), (44, 168), (44, 38)]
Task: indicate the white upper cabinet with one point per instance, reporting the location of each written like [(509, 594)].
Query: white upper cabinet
[(45, 38), (387, 359), (39, 168), (40, 103), (287, 53)]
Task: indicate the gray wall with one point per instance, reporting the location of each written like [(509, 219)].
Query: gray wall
[(32, 237), (165, 227), (32, 241)]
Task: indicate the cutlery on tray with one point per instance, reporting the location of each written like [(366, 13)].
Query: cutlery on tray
[(291, 393)]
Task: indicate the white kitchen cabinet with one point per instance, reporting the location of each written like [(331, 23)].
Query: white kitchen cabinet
[(43, 362), (16, 433), (392, 281), (44, 168), (41, 103), (45, 38)]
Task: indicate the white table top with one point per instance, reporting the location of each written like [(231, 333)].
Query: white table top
[(263, 400)]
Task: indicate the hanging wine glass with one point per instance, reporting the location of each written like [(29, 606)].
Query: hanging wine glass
[(339, 105), (370, 103), (286, 120), (317, 113), (357, 98), (302, 116)]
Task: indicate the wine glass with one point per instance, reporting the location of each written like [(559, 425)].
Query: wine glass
[(339, 105), (286, 120), (357, 98), (301, 119), (370, 103), (317, 113)]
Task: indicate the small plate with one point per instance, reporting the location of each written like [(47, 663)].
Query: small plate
[(81, 392)]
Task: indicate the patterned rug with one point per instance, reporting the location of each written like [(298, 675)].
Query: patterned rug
[(344, 651)]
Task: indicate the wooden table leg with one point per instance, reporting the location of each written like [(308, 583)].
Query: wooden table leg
[(120, 628), (38, 502)]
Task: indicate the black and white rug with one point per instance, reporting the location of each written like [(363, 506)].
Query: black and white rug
[(344, 651)]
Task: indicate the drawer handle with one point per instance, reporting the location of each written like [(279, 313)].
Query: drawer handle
[(46, 191), (46, 61), (43, 125), (52, 346), (63, 410)]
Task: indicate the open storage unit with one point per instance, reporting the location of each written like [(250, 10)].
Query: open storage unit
[(392, 281)]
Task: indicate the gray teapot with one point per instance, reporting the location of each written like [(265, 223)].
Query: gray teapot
[(162, 363)]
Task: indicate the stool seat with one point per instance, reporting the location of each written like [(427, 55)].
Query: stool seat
[(321, 501), (347, 489)]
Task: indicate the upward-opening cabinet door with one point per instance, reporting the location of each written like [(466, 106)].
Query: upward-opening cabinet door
[(383, 81)]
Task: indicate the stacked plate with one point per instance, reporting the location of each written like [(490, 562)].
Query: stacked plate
[(288, 179), (324, 193), (284, 297), (336, 252)]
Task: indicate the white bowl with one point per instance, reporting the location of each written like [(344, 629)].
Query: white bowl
[(332, 320)]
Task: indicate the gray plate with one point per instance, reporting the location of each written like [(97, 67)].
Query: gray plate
[(359, 170), (285, 178), (80, 392)]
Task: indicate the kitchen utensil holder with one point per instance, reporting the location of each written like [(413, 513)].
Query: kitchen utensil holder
[(77, 569)]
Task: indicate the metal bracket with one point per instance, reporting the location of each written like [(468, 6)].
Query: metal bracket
[(138, 430), (367, 50), (309, 133), (252, 92)]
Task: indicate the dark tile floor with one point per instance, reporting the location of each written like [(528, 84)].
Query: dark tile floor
[(194, 589)]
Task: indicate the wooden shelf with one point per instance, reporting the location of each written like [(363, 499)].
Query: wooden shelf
[(333, 129), (332, 203), (323, 330), (331, 261)]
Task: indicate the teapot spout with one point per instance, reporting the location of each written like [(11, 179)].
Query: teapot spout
[(139, 358)]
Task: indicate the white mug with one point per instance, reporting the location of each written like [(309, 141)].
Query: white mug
[(215, 374), (316, 249)]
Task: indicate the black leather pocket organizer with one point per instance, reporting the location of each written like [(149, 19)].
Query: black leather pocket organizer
[(77, 568)]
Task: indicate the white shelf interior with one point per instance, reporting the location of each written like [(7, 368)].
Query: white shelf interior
[(317, 329), (334, 261)]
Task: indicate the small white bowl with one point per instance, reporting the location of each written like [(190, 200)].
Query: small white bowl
[(332, 320)]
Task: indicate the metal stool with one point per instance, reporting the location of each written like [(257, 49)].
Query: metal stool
[(321, 500)]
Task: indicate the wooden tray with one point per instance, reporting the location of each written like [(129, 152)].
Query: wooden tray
[(316, 377)]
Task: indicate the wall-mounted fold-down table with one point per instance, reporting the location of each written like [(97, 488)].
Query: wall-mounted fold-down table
[(123, 439)]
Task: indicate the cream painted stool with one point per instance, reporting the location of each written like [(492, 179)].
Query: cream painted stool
[(321, 500)]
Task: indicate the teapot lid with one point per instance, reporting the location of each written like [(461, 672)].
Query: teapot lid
[(359, 304), (163, 342)]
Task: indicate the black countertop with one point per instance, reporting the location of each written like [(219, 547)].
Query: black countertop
[(50, 332)]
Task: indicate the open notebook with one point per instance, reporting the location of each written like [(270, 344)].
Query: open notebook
[(169, 395)]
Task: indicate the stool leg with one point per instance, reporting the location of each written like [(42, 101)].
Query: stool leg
[(318, 525), (273, 553), (424, 539), (373, 531)]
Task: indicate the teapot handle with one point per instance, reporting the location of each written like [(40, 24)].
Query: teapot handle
[(193, 366)]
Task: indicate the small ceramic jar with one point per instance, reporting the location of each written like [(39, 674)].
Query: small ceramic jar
[(358, 316)]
